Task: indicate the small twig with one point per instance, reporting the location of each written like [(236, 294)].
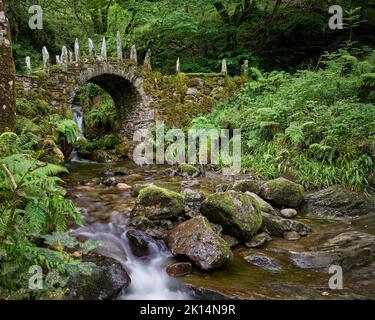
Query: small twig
[(10, 176)]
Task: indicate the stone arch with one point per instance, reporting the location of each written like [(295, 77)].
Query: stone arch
[(125, 88)]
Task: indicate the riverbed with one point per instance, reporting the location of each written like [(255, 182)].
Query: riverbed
[(106, 208)]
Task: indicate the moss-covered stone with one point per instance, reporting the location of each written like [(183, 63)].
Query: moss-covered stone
[(104, 156), (138, 187), (188, 170), (158, 203), (283, 192), (250, 185), (263, 205), (236, 212)]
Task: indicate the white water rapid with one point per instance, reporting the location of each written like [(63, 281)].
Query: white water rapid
[(149, 280)]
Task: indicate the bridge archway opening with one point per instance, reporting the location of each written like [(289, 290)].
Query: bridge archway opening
[(119, 100)]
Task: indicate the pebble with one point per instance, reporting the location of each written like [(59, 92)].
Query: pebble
[(292, 235), (288, 213)]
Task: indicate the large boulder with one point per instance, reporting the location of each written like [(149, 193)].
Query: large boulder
[(349, 250), (283, 192), (196, 240), (338, 202), (277, 226), (264, 205), (236, 212), (157, 203), (107, 280)]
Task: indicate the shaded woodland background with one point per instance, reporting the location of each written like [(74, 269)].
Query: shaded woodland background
[(274, 34)]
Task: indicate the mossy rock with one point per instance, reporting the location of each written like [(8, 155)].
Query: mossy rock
[(195, 82), (283, 192), (138, 187), (109, 141), (92, 146), (124, 148), (188, 170), (104, 156), (248, 185), (82, 152), (238, 214), (157, 203), (263, 205)]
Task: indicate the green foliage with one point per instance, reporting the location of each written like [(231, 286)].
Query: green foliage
[(33, 204), (315, 125), (273, 34), (67, 130)]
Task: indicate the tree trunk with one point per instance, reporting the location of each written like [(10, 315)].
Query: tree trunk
[(7, 76)]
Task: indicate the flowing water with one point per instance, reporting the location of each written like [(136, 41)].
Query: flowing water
[(78, 117), (106, 211), (149, 279)]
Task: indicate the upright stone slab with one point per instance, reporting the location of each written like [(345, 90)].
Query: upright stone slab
[(134, 55), (245, 68), (64, 58), (71, 57), (45, 55), (77, 54), (104, 49), (119, 46), (147, 61), (28, 63), (178, 66), (58, 60), (91, 48), (7, 76), (224, 67)]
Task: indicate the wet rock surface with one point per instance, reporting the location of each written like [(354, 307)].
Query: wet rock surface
[(178, 270), (138, 243), (107, 280), (196, 240), (338, 202), (259, 240), (349, 250), (263, 261), (276, 226)]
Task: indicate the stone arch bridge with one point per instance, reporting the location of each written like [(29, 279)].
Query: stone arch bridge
[(122, 78)]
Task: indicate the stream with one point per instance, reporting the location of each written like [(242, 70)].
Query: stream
[(106, 212)]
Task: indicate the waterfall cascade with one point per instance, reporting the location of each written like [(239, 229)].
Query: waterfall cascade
[(78, 117)]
